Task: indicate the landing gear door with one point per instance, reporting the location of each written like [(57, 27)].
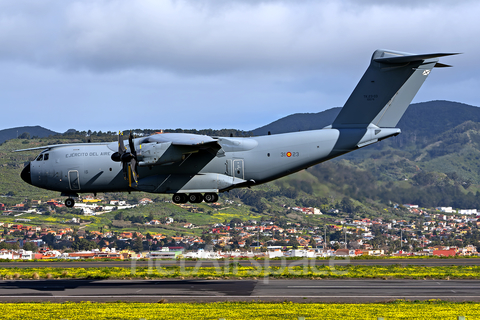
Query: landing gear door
[(238, 168), (228, 168), (73, 180)]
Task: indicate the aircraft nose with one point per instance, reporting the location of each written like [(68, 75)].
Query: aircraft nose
[(25, 175)]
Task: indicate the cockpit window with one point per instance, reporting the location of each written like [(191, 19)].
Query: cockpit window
[(45, 156), (40, 157)]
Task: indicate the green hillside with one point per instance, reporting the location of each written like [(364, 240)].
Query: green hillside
[(434, 162)]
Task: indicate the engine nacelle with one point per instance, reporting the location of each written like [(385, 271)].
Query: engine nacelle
[(154, 153)]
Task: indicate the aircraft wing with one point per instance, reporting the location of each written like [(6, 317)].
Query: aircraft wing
[(181, 139), (176, 139), (175, 147)]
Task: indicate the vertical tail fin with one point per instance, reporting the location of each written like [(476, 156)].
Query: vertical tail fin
[(386, 89)]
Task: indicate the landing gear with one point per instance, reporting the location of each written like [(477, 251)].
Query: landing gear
[(179, 198), (210, 197), (69, 203), (194, 198)]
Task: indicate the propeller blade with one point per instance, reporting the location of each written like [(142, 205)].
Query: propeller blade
[(121, 146), (133, 166), (125, 169), (133, 159), (131, 144), (117, 156)]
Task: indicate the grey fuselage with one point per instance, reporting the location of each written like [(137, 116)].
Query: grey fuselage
[(240, 162)]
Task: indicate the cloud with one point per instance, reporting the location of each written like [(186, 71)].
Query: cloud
[(108, 65), (188, 37)]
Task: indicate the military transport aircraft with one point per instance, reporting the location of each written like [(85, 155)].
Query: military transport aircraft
[(196, 168)]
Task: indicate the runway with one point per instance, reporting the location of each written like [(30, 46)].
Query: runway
[(245, 263), (353, 291)]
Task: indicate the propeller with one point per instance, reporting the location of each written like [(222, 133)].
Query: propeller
[(126, 158)]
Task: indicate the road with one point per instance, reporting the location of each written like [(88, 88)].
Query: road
[(238, 290), (214, 263)]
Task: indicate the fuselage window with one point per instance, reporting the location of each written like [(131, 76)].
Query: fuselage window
[(45, 156), (40, 157)]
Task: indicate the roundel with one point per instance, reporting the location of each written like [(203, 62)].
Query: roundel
[(289, 154)]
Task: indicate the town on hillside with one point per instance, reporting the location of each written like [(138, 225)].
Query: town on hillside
[(441, 231)]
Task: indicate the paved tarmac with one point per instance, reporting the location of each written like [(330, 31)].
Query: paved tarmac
[(238, 290), (250, 262)]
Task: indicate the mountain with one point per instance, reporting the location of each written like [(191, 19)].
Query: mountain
[(424, 120), (27, 132), (299, 122)]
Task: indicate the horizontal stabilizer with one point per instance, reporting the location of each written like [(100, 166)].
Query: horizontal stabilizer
[(394, 58), (442, 65)]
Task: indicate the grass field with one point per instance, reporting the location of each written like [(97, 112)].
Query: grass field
[(225, 269), (238, 310)]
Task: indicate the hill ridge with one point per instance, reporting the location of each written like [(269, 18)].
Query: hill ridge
[(32, 131)]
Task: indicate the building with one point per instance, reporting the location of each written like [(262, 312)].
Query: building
[(163, 254), (145, 201), (450, 252), (467, 211)]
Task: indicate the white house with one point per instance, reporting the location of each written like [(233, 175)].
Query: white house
[(467, 211)]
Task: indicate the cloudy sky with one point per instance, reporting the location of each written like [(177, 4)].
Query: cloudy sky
[(120, 64)]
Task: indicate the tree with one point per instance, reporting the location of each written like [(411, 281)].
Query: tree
[(102, 243), (9, 246), (30, 246), (208, 239), (24, 135), (294, 243), (347, 205), (138, 245), (119, 216), (49, 239), (235, 222), (260, 206), (150, 217), (81, 244)]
